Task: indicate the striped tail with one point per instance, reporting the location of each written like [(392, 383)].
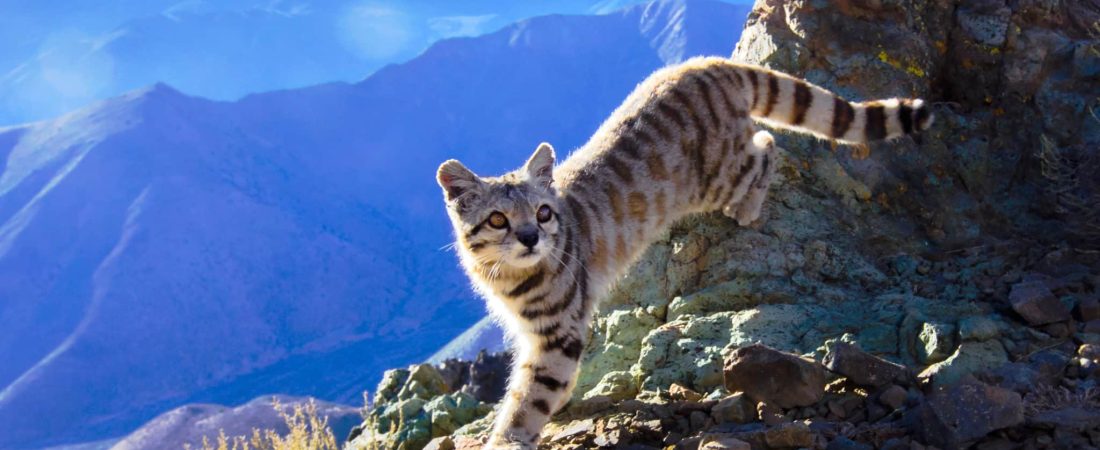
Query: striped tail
[(781, 100)]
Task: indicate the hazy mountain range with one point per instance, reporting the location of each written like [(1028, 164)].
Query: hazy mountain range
[(58, 56), (158, 249)]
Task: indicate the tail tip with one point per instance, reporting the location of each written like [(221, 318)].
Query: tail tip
[(763, 141), (922, 115)]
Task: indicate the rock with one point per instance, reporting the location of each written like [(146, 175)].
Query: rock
[(617, 386), (441, 443), (768, 375), (1074, 419), (725, 443), (488, 376), (590, 406), (1037, 304), (971, 357), (997, 444), (957, 416), (789, 435), (392, 382), (736, 408), (1049, 363), (860, 367), (730, 296), (978, 328), (678, 392), (424, 382), (698, 420), (456, 373), (893, 397), (1088, 308), (1019, 377), (449, 412), (843, 443), (770, 414), (1058, 330), (938, 341), (895, 444), (576, 428), (467, 443)]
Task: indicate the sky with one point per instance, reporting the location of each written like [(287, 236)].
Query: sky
[(56, 56)]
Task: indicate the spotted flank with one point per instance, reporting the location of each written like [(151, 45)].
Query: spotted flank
[(544, 243)]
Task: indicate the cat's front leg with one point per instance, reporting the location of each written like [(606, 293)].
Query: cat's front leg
[(540, 384)]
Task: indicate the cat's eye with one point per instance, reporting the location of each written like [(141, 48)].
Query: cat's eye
[(544, 214), (497, 220)]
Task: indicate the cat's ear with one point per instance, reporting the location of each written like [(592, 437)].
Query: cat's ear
[(456, 179), (540, 167)]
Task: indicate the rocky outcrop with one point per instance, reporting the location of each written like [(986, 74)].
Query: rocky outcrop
[(956, 257), (416, 405)]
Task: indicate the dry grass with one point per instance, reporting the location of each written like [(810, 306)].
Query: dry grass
[(307, 431), (1074, 190), (1046, 398)]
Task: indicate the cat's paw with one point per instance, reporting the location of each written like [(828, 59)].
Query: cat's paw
[(730, 211), (748, 213)]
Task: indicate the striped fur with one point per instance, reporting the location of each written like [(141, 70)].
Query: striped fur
[(683, 142)]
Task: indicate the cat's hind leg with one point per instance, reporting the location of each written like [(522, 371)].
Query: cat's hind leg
[(752, 183)]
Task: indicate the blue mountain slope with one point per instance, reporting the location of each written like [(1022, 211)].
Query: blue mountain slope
[(158, 249)]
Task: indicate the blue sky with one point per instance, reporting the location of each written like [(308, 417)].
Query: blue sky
[(56, 56)]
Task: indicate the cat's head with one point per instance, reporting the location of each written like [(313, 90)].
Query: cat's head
[(504, 223)]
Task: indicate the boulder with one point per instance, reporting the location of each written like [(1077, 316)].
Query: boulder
[(893, 397), (467, 443), (1089, 308), (959, 415), (724, 443), (681, 393), (424, 382), (441, 443), (1037, 304), (971, 357), (736, 408), (978, 328), (769, 375), (449, 412), (937, 341), (860, 367), (617, 385)]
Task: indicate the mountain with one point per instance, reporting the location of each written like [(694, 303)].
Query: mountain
[(56, 58), (484, 335), (158, 249)]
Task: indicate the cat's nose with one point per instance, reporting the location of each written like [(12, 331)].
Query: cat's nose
[(528, 235)]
